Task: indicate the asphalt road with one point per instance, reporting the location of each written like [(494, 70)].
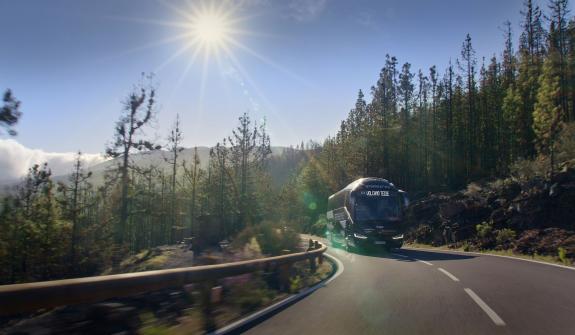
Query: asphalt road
[(428, 292)]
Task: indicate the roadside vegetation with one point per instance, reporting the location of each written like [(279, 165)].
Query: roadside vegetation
[(529, 214), (195, 308)]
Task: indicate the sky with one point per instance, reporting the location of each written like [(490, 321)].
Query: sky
[(298, 64)]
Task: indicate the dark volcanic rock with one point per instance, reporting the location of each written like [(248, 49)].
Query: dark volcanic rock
[(510, 190), (540, 212)]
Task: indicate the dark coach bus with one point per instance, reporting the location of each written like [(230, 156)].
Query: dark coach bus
[(367, 212)]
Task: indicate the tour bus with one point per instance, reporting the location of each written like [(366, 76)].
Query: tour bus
[(367, 212)]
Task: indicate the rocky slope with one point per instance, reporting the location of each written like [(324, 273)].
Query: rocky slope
[(535, 216)]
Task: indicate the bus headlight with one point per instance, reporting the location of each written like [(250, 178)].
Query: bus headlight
[(397, 237), (361, 237)]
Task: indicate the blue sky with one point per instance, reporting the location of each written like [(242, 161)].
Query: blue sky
[(71, 62)]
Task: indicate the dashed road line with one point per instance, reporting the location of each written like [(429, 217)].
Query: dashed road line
[(415, 259), (424, 262), (491, 313), (448, 274)]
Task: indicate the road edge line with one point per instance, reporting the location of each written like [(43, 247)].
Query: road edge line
[(263, 313), (492, 255)]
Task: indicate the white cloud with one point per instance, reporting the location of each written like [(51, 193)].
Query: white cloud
[(306, 10), (16, 159), (367, 20)]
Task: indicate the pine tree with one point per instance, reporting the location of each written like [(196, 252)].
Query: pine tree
[(137, 113), (549, 112), (406, 89), (174, 148), (521, 95), (10, 112), (558, 37), (193, 176), (75, 203), (471, 122), (249, 150)]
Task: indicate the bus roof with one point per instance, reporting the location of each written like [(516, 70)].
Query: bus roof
[(363, 181)]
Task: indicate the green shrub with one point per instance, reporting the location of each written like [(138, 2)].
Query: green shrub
[(319, 227), (524, 169), (295, 284), (422, 234), (539, 167), (562, 253), (504, 236), (272, 238), (565, 148), (484, 230), (250, 296), (244, 237)]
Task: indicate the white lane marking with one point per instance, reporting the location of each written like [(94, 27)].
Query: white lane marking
[(491, 313), (424, 262), (419, 260), (448, 274), (339, 268), (492, 255), (254, 316)]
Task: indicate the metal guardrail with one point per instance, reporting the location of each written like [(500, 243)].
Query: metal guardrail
[(19, 298)]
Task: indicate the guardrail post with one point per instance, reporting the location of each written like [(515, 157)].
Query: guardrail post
[(208, 305), (283, 276), (312, 265), (320, 257)]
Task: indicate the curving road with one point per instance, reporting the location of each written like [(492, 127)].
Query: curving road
[(431, 292)]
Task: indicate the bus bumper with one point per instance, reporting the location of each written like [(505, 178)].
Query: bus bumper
[(365, 242)]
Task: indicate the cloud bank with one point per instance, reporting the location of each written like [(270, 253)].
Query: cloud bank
[(16, 159)]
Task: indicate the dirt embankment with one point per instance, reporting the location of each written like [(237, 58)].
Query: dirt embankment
[(535, 216)]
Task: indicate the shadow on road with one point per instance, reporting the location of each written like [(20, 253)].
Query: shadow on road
[(413, 255), (434, 255)]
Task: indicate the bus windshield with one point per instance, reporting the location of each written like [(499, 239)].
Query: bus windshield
[(376, 208)]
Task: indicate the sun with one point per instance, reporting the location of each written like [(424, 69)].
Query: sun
[(210, 29)]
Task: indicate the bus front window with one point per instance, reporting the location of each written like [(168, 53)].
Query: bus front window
[(376, 208)]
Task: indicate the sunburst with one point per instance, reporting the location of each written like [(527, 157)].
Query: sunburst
[(213, 32), (210, 29)]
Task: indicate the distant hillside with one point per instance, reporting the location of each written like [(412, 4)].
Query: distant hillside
[(280, 164), (283, 164)]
